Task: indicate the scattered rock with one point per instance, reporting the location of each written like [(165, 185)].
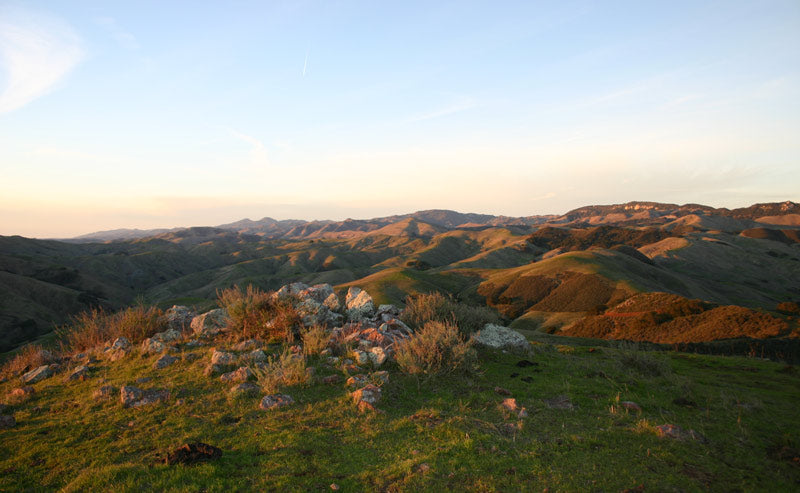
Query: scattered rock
[(289, 290), (357, 381), (424, 467), (117, 354), (499, 337), (560, 402), (134, 397), (315, 313), (104, 392), (222, 358), (367, 398), (382, 376), (361, 357), (79, 373), (7, 422), (164, 361), (23, 391), (678, 433), (179, 317), (121, 343), (38, 374), (169, 335), (210, 323), (212, 370), (242, 374), (275, 401), (377, 355), (257, 356), (152, 346), (244, 388), (192, 453), (332, 379), (248, 345), (502, 391), (188, 357), (631, 406)]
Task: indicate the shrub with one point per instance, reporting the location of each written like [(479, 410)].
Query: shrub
[(788, 308), (435, 307), (315, 339), (437, 348), (29, 357), (255, 314), (92, 329), (283, 370)]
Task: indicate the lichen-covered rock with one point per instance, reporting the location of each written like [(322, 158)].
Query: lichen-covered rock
[(275, 401), (314, 313), (222, 358), (129, 394), (499, 337), (256, 356), (332, 302), (152, 346), (361, 357), (79, 373), (317, 292), (135, 397), (38, 374), (248, 345), (213, 369), (210, 323), (241, 374), (359, 304), (377, 355), (164, 361), (169, 335), (367, 398), (121, 343), (293, 289), (179, 317)]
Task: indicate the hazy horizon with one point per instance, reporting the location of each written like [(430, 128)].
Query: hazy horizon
[(171, 115)]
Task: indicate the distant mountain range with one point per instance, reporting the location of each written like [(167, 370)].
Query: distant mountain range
[(553, 273)]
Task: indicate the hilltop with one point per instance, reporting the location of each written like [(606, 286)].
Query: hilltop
[(541, 273)]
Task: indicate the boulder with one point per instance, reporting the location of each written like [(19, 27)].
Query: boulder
[(314, 313), (210, 323), (152, 346), (79, 373), (164, 361), (293, 289), (38, 374), (104, 392), (317, 292), (499, 337), (367, 397), (169, 335), (359, 304), (377, 355), (179, 317), (275, 401), (7, 422)]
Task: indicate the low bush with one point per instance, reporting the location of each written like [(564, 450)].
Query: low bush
[(27, 358), (92, 329), (437, 348), (255, 314), (435, 307), (282, 370), (315, 340)]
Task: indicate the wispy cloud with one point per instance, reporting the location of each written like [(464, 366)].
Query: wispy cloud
[(258, 151), (305, 63), (36, 52), (463, 104), (119, 33)]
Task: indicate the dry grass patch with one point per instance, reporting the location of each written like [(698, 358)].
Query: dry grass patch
[(92, 329), (255, 314), (436, 349), (283, 370)]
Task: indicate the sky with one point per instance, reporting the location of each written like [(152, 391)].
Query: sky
[(163, 114)]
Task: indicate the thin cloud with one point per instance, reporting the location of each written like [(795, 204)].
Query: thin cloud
[(305, 64), (258, 151), (36, 53), (120, 34), (463, 105)]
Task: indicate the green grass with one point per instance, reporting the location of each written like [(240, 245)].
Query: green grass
[(747, 409)]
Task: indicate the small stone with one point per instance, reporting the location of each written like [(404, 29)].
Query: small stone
[(499, 337), (212, 370), (377, 356), (121, 343), (134, 397), (164, 361), (367, 397), (118, 354), (104, 392), (334, 486), (179, 317), (38, 374), (357, 381), (168, 335), (222, 358), (241, 374), (23, 391), (210, 323), (382, 375), (510, 404), (275, 401), (248, 345), (79, 373), (191, 453), (332, 379), (631, 406), (152, 346), (7, 422), (423, 468), (244, 388), (502, 391), (130, 394), (188, 357)]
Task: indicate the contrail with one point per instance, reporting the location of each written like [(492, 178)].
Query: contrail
[(305, 64)]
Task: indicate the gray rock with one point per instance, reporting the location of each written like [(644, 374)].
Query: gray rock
[(210, 323), (121, 343), (241, 374), (499, 337), (248, 345), (275, 401), (168, 335), (222, 358), (293, 289), (191, 357), (23, 391), (367, 397), (179, 317), (317, 292), (134, 397), (37, 374), (332, 302), (130, 394), (104, 392), (152, 346), (245, 388), (377, 355), (359, 304), (79, 373), (117, 354), (7, 422), (314, 313), (213, 369), (256, 356), (164, 361)]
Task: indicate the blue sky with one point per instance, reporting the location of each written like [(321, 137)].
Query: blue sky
[(162, 114)]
